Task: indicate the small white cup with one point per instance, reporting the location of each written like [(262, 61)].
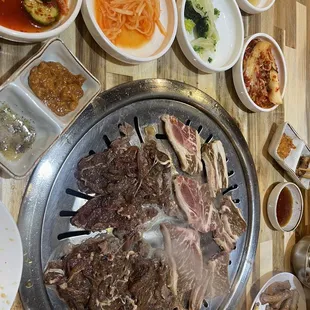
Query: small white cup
[(298, 206)]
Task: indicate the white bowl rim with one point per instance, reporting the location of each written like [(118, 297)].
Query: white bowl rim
[(127, 55), (44, 34), (198, 59), (258, 9), (278, 188), (247, 40)]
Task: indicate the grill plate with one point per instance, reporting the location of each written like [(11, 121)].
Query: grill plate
[(145, 100)]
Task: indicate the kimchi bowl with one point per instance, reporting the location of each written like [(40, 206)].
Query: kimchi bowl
[(238, 74)]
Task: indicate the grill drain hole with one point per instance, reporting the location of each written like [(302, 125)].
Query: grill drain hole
[(209, 138), (205, 303), (136, 122), (91, 152), (229, 262), (70, 234), (188, 122), (161, 136), (67, 213), (231, 188), (199, 129), (106, 140), (75, 193), (236, 200), (231, 173)]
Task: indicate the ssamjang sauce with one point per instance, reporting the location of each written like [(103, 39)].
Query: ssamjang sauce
[(56, 86)]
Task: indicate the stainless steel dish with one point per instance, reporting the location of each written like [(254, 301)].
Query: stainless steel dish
[(300, 258), (44, 216)]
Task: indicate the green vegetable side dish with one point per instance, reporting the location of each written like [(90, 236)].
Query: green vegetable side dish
[(16, 134), (43, 12), (200, 16), (189, 25)]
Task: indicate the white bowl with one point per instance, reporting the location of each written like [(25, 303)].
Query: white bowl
[(238, 72), (262, 6), (28, 37), (155, 48), (298, 206), (11, 258), (231, 33)]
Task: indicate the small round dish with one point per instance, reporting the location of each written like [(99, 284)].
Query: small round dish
[(238, 72), (154, 49), (231, 32), (28, 37), (262, 6), (281, 277), (11, 258), (297, 206)]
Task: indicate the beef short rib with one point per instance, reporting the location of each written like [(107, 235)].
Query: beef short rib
[(214, 158), (232, 225), (185, 141), (195, 200)]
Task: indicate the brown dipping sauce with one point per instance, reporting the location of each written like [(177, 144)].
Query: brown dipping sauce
[(284, 207), (56, 86)]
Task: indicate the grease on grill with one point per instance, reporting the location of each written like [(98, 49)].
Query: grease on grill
[(56, 86)]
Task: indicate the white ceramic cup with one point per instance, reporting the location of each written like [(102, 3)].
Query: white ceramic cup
[(298, 206)]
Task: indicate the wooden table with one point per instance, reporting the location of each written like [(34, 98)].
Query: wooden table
[(289, 23)]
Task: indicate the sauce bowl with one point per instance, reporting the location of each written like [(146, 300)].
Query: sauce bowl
[(29, 37), (297, 206), (262, 6)]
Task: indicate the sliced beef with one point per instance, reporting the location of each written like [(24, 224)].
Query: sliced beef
[(186, 142), (182, 247), (115, 168), (97, 275), (195, 200), (214, 158), (217, 270), (139, 176), (101, 213), (232, 225), (214, 281)]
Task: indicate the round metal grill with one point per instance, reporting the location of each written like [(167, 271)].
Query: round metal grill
[(52, 195)]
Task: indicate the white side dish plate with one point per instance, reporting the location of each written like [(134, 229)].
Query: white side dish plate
[(291, 161), (231, 32), (11, 258), (16, 94), (281, 277)]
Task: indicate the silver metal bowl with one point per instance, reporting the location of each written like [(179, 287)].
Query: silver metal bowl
[(300, 259)]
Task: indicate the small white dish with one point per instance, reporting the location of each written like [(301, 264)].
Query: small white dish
[(17, 94), (298, 206), (238, 72), (11, 258), (291, 161), (231, 32), (261, 6), (62, 25), (155, 48), (281, 277)]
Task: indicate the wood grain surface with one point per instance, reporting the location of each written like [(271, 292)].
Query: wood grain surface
[(288, 21)]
